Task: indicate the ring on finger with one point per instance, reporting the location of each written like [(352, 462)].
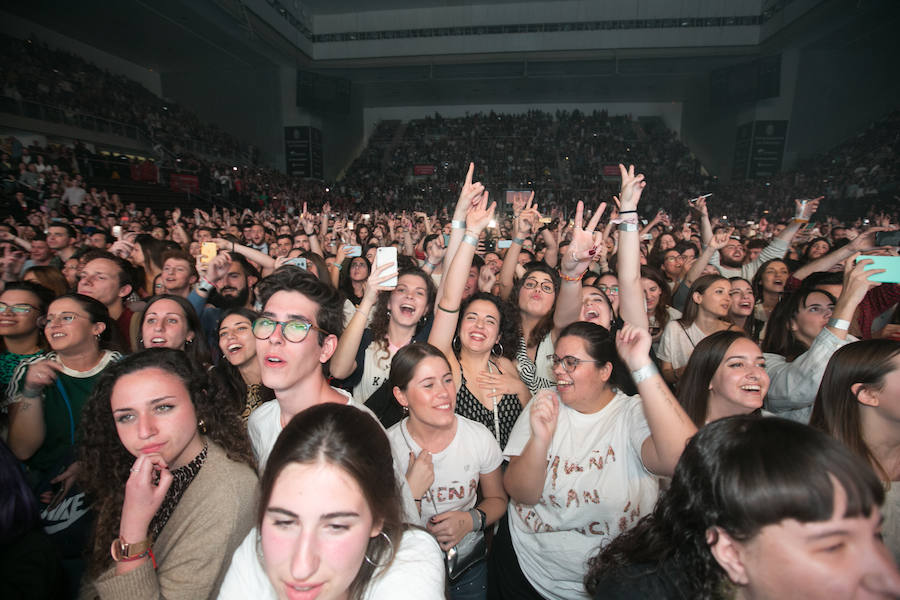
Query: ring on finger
[(133, 470)]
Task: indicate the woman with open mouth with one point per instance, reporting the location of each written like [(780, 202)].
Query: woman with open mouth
[(169, 321), (478, 337), (805, 329), (172, 472), (768, 287), (239, 372), (725, 376), (399, 316), (705, 312), (742, 305), (47, 391), (449, 462)]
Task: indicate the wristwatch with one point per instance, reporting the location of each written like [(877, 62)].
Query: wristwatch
[(122, 551)]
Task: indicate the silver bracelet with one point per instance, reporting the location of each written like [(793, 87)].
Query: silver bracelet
[(644, 373), (841, 324), (458, 224), (470, 239), (628, 227)]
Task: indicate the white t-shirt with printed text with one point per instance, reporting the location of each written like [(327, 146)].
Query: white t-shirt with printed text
[(596, 487)]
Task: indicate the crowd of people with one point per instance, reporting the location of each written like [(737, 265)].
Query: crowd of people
[(327, 403), (406, 385)]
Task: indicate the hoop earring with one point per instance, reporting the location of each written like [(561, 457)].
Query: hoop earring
[(390, 552), (201, 425), (494, 349), (455, 344)]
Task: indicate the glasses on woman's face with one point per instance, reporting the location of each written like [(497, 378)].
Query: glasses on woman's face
[(64, 317), (16, 309), (569, 363), (294, 330), (609, 289), (546, 286)]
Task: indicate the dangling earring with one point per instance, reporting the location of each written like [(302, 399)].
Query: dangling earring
[(455, 344), (494, 350), (390, 552), (201, 425)]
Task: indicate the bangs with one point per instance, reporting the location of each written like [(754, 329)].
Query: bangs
[(785, 476)]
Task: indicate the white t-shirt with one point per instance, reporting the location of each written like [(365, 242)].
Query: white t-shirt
[(595, 488), (676, 344), (376, 370), (457, 468), (264, 427), (416, 573)]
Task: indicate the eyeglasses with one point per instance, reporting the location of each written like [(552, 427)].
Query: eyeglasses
[(609, 289), (294, 331), (64, 317), (675, 258), (16, 309), (569, 363), (546, 286)]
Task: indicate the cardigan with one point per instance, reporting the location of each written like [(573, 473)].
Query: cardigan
[(192, 551)]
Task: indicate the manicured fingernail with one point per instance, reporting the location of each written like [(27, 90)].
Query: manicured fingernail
[(592, 251)]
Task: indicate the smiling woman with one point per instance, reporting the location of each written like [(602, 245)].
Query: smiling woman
[(238, 373), (173, 474)]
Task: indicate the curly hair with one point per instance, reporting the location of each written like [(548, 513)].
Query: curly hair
[(739, 474), (106, 462), (381, 317), (545, 325), (509, 336)]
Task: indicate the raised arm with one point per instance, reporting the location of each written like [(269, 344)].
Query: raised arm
[(446, 314), (631, 296), (574, 264), (309, 228), (716, 243), (862, 242), (670, 427), (524, 225), (343, 362)]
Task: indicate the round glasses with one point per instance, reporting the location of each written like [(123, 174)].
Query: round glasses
[(608, 289), (569, 363), (294, 330), (546, 286)]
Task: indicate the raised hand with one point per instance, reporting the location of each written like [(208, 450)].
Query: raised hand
[(720, 238), (805, 209), (528, 219), (632, 188), (633, 345), (480, 214), (585, 242), (486, 279)]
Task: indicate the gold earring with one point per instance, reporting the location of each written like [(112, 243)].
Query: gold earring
[(201, 425)]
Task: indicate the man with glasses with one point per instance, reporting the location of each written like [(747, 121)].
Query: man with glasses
[(296, 334)]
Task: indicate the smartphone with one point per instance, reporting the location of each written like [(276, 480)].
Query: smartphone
[(887, 238), (117, 232), (59, 493), (366, 217), (890, 264), (545, 220), (501, 244), (386, 255), (350, 225), (353, 251), (297, 262), (446, 239), (208, 251)]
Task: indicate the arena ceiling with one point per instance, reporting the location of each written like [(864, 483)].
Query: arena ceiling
[(193, 35)]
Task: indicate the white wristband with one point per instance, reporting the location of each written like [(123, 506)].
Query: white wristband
[(644, 373), (458, 224), (841, 324)]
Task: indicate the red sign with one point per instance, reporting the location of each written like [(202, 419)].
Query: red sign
[(610, 170), (144, 171), (424, 170), (179, 182)]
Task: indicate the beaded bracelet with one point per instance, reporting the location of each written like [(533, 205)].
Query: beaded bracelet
[(564, 277)]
